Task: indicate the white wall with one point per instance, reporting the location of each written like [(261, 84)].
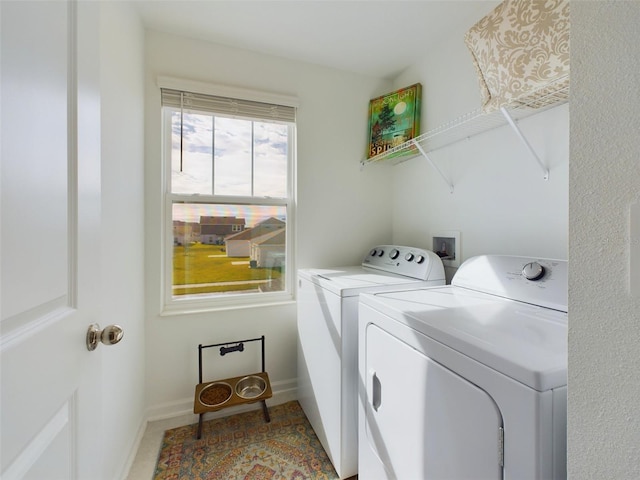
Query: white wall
[(341, 211), (122, 135), (501, 203), (604, 333)]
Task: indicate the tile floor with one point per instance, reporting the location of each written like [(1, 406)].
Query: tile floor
[(144, 464)]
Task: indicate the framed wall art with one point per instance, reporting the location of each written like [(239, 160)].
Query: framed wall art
[(394, 118)]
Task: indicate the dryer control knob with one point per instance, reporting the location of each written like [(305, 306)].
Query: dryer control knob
[(533, 271)]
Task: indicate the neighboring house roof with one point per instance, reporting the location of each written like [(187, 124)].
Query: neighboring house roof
[(273, 238), (251, 233), (272, 221), (265, 227), (204, 220)]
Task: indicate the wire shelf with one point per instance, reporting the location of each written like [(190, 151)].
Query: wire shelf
[(477, 122)]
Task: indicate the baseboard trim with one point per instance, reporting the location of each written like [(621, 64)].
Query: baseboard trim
[(134, 450)]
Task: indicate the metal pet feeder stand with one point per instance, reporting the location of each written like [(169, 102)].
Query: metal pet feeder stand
[(230, 392)]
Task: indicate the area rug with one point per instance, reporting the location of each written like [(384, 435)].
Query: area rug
[(244, 446)]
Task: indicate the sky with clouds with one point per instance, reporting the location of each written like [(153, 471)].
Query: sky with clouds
[(219, 161)]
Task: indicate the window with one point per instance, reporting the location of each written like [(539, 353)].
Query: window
[(228, 200)]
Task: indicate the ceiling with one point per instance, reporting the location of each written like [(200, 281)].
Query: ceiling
[(370, 37)]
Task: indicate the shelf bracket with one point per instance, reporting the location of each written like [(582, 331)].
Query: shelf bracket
[(523, 139), (425, 155)]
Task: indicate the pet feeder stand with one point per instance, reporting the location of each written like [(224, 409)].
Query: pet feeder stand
[(229, 392)]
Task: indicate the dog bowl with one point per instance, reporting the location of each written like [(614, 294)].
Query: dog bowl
[(251, 387), (215, 394)]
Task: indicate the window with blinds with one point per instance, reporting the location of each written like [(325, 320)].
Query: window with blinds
[(228, 200)]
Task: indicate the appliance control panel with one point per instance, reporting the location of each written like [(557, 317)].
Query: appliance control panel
[(538, 281), (408, 261)]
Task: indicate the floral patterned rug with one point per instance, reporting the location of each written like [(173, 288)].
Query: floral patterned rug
[(244, 446)]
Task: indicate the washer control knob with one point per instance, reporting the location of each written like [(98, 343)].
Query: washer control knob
[(409, 257), (533, 271), (373, 252), (394, 254), (420, 259), (380, 253)]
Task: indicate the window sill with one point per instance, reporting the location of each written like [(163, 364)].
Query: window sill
[(174, 310)]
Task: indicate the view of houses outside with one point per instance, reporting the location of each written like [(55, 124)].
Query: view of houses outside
[(222, 248), (222, 255)]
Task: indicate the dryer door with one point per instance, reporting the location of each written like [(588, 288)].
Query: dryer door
[(423, 420)]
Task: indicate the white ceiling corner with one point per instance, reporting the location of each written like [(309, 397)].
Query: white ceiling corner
[(370, 37)]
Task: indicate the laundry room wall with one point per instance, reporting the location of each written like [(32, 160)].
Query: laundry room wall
[(604, 334), (122, 233), (500, 204), (341, 210)]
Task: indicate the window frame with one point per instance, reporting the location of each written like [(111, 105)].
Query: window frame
[(191, 304)]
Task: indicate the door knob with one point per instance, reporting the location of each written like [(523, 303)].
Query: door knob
[(111, 335)]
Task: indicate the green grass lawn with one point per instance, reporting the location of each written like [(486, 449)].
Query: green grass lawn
[(201, 264)]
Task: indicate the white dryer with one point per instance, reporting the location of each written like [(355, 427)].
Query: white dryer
[(469, 380), (328, 339)]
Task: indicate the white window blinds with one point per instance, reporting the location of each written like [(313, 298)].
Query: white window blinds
[(233, 107)]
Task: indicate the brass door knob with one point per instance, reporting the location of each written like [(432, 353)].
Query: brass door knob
[(110, 335)]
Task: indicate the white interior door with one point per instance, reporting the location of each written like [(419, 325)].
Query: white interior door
[(422, 420), (50, 244)]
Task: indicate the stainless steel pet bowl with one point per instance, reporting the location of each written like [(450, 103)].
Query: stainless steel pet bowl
[(251, 386), (215, 394)]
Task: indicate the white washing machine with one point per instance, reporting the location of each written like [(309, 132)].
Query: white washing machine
[(469, 380), (328, 339)]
